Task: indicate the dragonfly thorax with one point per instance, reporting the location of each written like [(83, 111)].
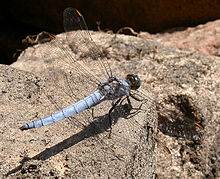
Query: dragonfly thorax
[(114, 88)]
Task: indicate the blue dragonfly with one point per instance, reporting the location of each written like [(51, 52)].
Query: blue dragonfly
[(109, 88)]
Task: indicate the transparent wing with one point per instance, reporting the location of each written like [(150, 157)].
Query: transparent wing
[(68, 80), (63, 58), (72, 80), (80, 39)]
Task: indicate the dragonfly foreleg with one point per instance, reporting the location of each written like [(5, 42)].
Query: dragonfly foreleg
[(134, 97), (137, 109), (129, 107), (111, 122)]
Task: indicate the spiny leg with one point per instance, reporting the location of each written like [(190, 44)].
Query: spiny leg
[(127, 97), (134, 97), (129, 106), (111, 122), (138, 109), (129, 101)]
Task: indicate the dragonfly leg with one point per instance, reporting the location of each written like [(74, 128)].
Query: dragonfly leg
[(129, 107), (134, 97), (136, 109), (129, 101), (111, 121)]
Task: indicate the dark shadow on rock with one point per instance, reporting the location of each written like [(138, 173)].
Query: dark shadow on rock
[(179, 119), (98, 126)]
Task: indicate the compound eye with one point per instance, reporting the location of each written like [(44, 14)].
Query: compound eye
[(134, 81)]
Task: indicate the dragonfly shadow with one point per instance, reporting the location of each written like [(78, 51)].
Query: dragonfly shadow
[(98, 126)]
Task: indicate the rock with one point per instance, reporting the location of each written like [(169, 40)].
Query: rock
[(204, 38), (77, 147), (186, 90), (31, 18)]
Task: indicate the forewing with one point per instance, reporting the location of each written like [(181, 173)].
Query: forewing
[(67, 79), (81, 41)]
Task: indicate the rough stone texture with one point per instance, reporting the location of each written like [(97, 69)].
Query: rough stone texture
[(151, 16), (186, 89), (204, 38), (74, 148)]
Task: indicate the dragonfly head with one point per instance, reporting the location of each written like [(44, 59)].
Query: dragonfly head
[(134, 81)]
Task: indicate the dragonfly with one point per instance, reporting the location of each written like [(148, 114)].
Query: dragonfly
[(113, 88), (108, 87)]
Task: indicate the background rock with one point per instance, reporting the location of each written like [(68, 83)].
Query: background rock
[(204, 38), (22, 18), (186, 89)]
